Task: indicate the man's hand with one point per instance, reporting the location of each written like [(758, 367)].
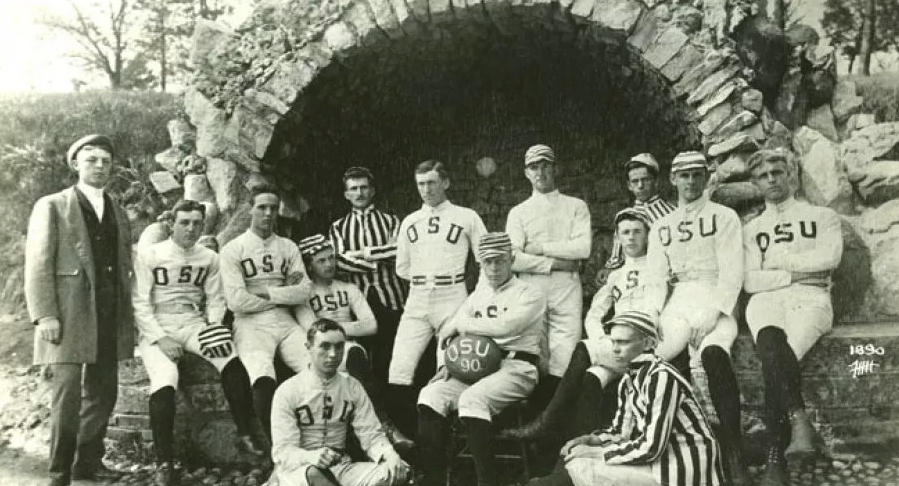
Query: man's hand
[(397, 469), (294, 278), (602, 276), (447, 333), (50, 330), (706, 321), (566, 449), (325, 458), (583, 450), (534, 248), (566, 265), (171, 349)]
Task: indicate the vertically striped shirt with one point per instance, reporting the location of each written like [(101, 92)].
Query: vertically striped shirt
[(660, 423), (655, 208), (365, 243)]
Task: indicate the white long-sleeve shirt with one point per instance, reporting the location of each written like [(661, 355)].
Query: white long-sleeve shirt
[(309, 413), (341, 302), (702, 241), (793, 236), (560, 223), (249, 263), (435, 240), (512, 315), (626, 290), (167, 274)]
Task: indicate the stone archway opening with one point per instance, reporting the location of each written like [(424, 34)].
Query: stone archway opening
[(467, 90)]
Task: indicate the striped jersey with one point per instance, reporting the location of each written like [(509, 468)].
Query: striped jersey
[(793, 236), (655, 208), (249, 263), (341, 302), (659, 422), (701, 240), (560, 223), (374, 233), (309, 413), (625, 290), (167, 274), (435, 241)]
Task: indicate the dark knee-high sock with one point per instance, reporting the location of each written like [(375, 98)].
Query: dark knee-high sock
[(236, 387), (162, 423), (403, 403), (783, 382), (544, 392), (358, 367), (480, 441), (263, 392), (724, 392), (569, 387), (431, 441), (681, 363), (587, 411)]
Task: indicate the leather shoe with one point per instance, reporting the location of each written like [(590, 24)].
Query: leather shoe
[(245, 444), (533, 430), (100, 473), (60, 480), (397, 438), (776, 473), (165, 475), (734, 466), (803, 437)]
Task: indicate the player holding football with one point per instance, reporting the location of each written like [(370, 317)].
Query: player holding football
[(311, 414), (178, 306), (511, 312)]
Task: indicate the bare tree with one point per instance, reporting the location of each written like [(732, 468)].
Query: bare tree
[(866, 46)]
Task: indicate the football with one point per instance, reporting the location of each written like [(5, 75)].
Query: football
[(471, 357)]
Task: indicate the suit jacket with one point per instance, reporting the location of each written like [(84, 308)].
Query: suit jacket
[(59, 280)]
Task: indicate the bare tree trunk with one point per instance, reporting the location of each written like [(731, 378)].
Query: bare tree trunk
[(851, 63), (164, 69), (867, 38)]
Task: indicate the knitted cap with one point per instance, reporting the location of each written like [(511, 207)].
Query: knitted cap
[(311, 245), (539, 152), (494, 244), (638, 213), (689, 160), (637, 320)]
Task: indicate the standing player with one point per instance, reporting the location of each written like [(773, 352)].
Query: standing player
[(625, 290), (790, 251), (175, 280), (311, 414), (511, 312), (344, 303), (365, 240), (263, 277), (551, 235), (432, 249), (698, 247)]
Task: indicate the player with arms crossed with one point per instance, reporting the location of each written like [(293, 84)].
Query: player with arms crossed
[(790, 251), (263, 277), (310, 416), (432, 249), (576, 408), (344, 303), (511, 312), (698, 247), (178, 307), (551, 234)]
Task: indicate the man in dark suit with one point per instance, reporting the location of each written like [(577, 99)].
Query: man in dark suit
[(77, 287)]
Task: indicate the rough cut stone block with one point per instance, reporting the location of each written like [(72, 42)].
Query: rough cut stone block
[(691, 79), (441, 10), (238, 223), (686, 58), (845, 101), (881, 218), (878, 182), (823, 179), (163, 181), (210, 122), (714, 118), (385, 17), (737, 123), (711, 84), (737, 194), (171, 158), (221, 176), (206, 37), (250, 132), (752, 100), (196, 188), (182, 134), (738, 142), (619, 15), (821, 119), (733, 169), (716, 99), (339, 37), (665, 46), (363, 23), (865, 145), (582, 9), (645, 30)]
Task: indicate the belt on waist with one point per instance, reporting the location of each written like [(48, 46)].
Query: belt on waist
[(177, 308), (438, 280), (523, 356), (694, 276)]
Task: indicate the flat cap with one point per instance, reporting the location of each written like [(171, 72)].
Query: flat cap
[(645, 159), (93, 139), (689, 160), (311, 245), (539, 152), (639, 321), (494, 244)]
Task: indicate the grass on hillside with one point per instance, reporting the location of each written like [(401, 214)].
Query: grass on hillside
[(881, 94)]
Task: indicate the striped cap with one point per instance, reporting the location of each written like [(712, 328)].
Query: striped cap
[(539, 152), (638, 213), (95, 139), (640, 321), (689, 160), (494, 244), (645, 159), (311, 245)]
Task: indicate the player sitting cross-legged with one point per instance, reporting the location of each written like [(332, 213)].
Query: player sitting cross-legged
[(344, 303), (310, 416), (178, 306)]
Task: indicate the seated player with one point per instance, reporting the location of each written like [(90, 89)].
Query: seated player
[(264, 278), (511, 312), (174, 279), (344, 303), (790, 251), (579, 394), (310, 415), (659, 435)]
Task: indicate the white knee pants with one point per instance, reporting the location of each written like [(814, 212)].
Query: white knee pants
[(804, 312), (679, 318), (565, 326), (260, 336)]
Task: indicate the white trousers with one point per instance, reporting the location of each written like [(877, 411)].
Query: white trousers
[(565, 325), (259, 337), (347, 474), (804, 312), (679, 318), (593, 471)]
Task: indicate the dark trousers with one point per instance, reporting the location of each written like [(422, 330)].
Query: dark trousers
[(380, 346), (79, 416)]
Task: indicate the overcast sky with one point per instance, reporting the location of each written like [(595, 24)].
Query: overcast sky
[(34, 60)]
